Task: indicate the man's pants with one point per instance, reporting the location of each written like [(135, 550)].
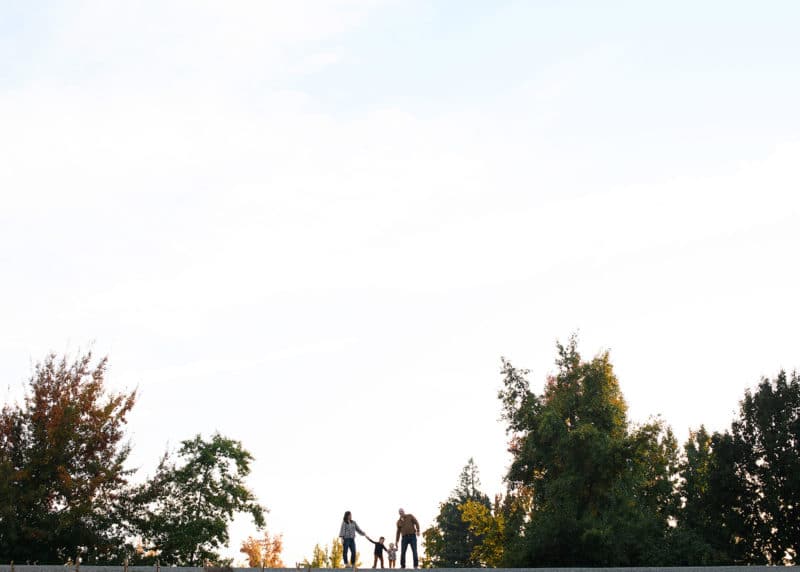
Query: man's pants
[(349, 544), (412, 540)]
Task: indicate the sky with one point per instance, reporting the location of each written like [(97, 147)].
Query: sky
[(316, 227)]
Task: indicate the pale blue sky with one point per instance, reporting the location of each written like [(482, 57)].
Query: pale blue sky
[(316, 226)]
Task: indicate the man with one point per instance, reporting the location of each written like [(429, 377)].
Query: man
[(408, 527)]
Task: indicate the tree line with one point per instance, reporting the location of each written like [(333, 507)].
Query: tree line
[(66, 494), (586, 487)]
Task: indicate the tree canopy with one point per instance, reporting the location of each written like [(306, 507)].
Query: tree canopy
[(185, 509), (450, 542), (65, 492), (62, 456)]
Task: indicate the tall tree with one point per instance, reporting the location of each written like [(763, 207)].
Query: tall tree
[(741, 487), (184, 511), (707, 522), (767, 436), (62, 458), (450, 542), (600, 489)]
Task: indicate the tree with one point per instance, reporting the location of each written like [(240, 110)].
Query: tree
[(264, 552), (765, 439), (329, 557), (450, 542), (319, 558), (702, 535), (489, 527), (741, 488), (600, 490), (186, 508), (336, 556), (62, 459)]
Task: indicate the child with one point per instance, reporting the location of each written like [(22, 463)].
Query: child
[(392, 555), (379, 548)]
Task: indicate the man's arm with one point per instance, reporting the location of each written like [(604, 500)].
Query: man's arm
[(397, 536), (416, 523)]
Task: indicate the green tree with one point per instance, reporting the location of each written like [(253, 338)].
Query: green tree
[(450, 542), (62, 459), (766, 437), (707, 522), (741, 488), (184, 511), (600, 490)]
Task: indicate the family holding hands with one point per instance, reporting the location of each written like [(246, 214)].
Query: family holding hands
[(407, 528)]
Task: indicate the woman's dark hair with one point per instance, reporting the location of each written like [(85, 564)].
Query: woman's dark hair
[(346, 516)]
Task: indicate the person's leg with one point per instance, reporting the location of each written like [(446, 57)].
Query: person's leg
[(381, 557), (403, 546), (349, 544), (375, 561), (414, 550)]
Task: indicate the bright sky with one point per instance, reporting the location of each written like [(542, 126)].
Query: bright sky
[(316, 226)]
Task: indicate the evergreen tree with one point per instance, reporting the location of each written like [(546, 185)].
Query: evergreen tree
[(600, 490), (450, 542)]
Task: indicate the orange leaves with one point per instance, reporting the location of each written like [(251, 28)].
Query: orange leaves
[(264, 552)]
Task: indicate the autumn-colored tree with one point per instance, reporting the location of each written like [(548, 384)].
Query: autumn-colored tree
[(319, 558), (264, 552), (450, 542), (61, 465), (336, 556), (489, 526)]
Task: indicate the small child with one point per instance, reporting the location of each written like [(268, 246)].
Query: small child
[(379, 548), (392, 554)]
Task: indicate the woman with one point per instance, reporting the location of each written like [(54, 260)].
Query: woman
[(348, 535)]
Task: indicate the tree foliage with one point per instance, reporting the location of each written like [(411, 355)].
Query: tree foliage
[(184, 510), (264, 552), (451, 542), (741, 488), (488, 527), (600, 490), (329, 556), (764, 444), (62, 458)]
